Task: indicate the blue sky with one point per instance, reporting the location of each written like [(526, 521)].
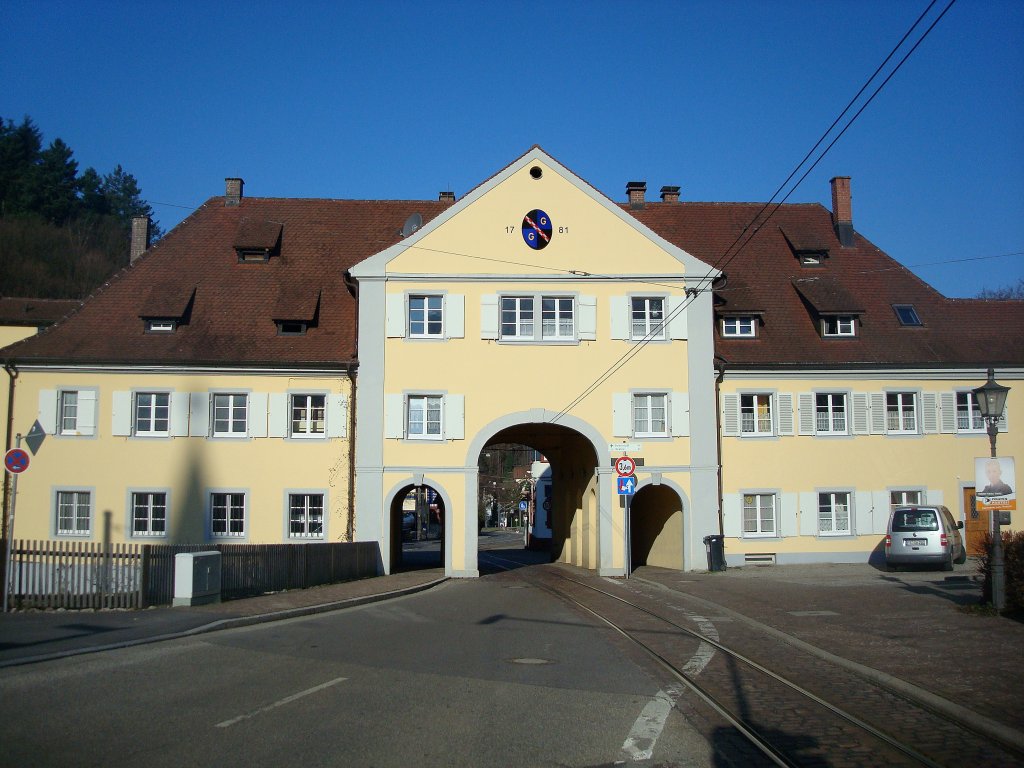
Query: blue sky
[(402, 100)]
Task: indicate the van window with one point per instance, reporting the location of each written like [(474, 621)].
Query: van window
[(909, 520)]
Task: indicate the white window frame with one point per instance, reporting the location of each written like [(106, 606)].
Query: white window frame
[(830, 411), (152, 408), (230, 507), (307, 409), (900, 404), (422, 404), (740, 327), (150, 507), (643, 403), (845, 326), (757, 427), (972, 413), (529, 316), (904, 497), (307, 517), (753, 501), (161, 325), (829, 500), (519, 307), (644, 315), (73, 496), (64, 427), (232, 406), (424, 313), (553, 317)]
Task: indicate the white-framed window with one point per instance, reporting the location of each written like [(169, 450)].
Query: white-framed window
[(647, 315), (426, 316), (74, 513), (968, 417), (517, 317), (839, 325), (739, 327), (68, 413), (901, 412), (230, 415), (759, 514), (834, 513), (227, 514), (291, 328), (152, 414), (557, 318), (810, 259), (650, 414), (904, 498), (149, 513), (309, 413), (161, 325), (756, 415), (423, 417), (305, 515), (830, 413)]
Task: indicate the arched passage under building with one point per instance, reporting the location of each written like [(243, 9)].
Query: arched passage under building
[(418, 527), (656, 527)]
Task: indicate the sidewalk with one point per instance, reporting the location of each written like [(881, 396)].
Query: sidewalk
[(31, 636)]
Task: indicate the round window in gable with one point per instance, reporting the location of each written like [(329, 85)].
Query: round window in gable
[(536, 172)]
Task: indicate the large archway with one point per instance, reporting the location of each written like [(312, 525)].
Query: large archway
[(656, 527)]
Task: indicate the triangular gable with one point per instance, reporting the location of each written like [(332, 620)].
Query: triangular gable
[(376, 265)]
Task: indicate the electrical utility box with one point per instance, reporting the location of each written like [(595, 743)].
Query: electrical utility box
[(196, 578)]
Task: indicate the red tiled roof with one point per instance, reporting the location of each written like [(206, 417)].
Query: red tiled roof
[(231, 320), (15, 311)]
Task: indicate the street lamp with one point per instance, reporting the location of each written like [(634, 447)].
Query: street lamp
[(991, 400)]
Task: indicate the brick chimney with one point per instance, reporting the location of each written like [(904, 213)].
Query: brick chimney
[(635, 191), (670, 194), (446, 197), (233, 191), (140, 238), (842, 210)]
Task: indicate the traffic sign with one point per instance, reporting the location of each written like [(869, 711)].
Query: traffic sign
[(524, 505), (16, 461), (624, 447), (625, 466), (626, 485)]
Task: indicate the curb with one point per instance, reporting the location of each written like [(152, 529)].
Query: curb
[(232, 623), (1004, 734)]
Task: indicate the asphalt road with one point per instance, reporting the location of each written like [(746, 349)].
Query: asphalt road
[(486, 672)]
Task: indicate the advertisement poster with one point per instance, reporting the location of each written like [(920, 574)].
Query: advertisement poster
[(996, 483)]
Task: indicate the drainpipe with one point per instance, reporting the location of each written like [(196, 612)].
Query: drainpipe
[(351, 528), (719, 376), (12, 372)]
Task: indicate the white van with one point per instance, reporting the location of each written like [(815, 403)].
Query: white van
[(925, 535)]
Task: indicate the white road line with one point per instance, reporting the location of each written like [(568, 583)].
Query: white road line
[(700, 659), (281, 702), (639, 744)]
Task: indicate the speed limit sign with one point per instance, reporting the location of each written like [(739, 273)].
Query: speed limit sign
[(625, 466)]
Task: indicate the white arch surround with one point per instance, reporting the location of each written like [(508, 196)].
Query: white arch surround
[(414, 481), (684, 503)]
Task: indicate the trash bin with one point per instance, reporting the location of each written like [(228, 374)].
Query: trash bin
[(716, 552)]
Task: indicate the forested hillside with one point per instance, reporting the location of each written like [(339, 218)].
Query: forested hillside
[(62, 234)]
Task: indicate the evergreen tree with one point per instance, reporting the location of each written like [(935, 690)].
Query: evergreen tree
[(19, 152)]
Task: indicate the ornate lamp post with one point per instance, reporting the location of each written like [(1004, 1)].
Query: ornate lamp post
[(991, 400)]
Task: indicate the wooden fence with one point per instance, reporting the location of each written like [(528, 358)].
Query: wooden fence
[(74, 574)]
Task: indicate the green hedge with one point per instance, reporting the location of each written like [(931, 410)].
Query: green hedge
[(1013, 557)]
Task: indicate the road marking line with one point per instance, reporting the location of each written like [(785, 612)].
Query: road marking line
[(639, 744), (281, 702)]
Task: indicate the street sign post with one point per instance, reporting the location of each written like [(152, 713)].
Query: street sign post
[(15, 462)]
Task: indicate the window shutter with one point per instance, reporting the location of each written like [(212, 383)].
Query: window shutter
[(808, 514), (784, 406), (788, 515), (730, 415), (860, 413), (732, 515), (1004, 420), (179, 414), (199, 414), (676, 311), (879, 512), (489, 325), (622, 414), (620, 317), (121, 414), (947, 412), (87, 412), (47, 414), (455, 417), (929, 413), (862, 513), (337, 416), (258, 414), (806, 400), (680, 414), (878, 413), (455, 315), (278, 415), (394, 315), (394, 416), (587, 323)]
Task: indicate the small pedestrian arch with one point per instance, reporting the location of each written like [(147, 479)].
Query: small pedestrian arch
[(396, 502), (658, 518)]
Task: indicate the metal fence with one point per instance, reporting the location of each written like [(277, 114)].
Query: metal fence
[(74, 574)]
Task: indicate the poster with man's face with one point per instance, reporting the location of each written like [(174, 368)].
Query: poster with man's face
[(995, 482)]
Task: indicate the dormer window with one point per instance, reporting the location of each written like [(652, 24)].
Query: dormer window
[(907, 315), (291, 328), (740, 327), (252, 256), (257, 240), (839, 325), (807, 247), (166, 307), (811, 259), (161, 325)]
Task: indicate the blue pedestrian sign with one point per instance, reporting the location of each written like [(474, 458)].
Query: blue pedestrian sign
[(524, 505), (626, 485)]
